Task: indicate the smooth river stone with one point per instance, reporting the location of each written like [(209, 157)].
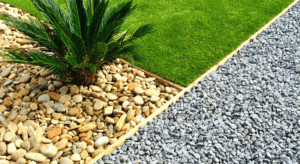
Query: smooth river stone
[(48, 150), (37, 157), (5, 72), (102, 141), (25, 78)]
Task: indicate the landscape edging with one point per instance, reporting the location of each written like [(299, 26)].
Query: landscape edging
[(122, 139)]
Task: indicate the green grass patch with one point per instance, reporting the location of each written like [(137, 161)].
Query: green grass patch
[(193, 35)]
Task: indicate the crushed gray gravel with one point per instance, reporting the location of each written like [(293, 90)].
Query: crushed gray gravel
[(246, 112)]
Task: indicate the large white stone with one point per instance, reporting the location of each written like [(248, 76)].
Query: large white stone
[(37, 157), (102, 141)]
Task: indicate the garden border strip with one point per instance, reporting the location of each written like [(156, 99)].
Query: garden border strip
[(149, 74), (122, 139)]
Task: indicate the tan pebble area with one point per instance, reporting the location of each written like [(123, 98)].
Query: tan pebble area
[(46, 120)]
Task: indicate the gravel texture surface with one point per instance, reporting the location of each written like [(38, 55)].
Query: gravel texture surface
[(246, 112)]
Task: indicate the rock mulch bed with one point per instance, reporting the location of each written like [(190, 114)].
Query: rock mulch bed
[(248, 111), (46, 120)]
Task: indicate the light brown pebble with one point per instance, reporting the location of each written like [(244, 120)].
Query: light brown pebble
[(18, 142), (138, 100), (112, 140), (58, 154), (61, 144), (74, 89), (53, 133), (2, 148), (108, 110), (138, 112), (111, 96), (125, 127), (8, 137), (116, 135), (17, 96), (121, 122), (48, 150), (87, 127), (6, 72), (12, 127), (125, 104), (63, 99), (84, 154), (119, 85), (151, 92), (25, 145), (54, 96), (131, 86), (37, 157), (73, 111), (115, 111), (75, 157), (90, 149), (109, 120), (55, 139), (147, 113), (98, 105), (4, 161), (96, 89), (138, 90), (77, 98), (64, 89), (21, 161), (102, 141), (132, 123), (168, 90), (66, 160), (20, 153)]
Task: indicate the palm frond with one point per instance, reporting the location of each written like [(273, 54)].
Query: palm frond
[(141, 31), (119, 11), (114, 18), (74, 15), (50, 6), (96, 21), (73, 43), (82, 18), (88, 11), (109, 31)]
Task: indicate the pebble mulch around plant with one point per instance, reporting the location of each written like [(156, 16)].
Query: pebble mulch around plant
[(246, 112), (45, 120)]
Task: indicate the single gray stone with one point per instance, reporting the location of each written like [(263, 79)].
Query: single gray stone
[(7, 82), (59, 108), (57, 83), (43, 98)]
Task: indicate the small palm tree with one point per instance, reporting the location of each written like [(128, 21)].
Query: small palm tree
[(83, 38)]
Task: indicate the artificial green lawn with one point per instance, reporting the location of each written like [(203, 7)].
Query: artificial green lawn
[(193, 35)]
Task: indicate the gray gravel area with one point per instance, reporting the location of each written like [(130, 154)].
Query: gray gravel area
[(246, 112)]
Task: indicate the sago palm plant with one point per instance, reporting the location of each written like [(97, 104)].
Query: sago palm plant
[(83, 38)]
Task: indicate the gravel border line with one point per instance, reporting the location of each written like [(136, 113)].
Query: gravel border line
[(244, 78)]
